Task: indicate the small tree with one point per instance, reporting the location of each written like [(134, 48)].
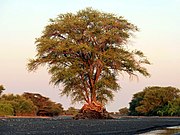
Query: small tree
[(85, 52)]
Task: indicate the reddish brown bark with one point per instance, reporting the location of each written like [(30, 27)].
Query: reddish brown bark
[(93, 110), (93, 106)]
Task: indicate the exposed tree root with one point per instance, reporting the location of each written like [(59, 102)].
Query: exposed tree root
[(93, 110)]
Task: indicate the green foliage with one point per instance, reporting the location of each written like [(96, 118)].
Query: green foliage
[(124, 111), (25, 107), (28, 104), (6, 109), (86, 51), (71, 111), (135, 102), (21, 105), (56, 109), (44, 105), (174, 107), (155, 100)]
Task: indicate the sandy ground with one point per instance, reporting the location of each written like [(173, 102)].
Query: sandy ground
[(68, 126)]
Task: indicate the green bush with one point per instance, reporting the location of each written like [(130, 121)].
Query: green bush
[(45, 107), (28, 104), (6, 109), (20, 104), (71, 111), (25, 107), (155, 100), (174, 108)]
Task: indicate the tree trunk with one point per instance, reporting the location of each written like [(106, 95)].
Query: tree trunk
[(93, 110)]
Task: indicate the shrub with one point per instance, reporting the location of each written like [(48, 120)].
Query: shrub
[(6, 109)]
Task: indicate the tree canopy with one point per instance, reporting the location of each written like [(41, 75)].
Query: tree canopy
[(45, 107), (123, 111), (28, 104), (19, 104), (156, 101), (86, 51)]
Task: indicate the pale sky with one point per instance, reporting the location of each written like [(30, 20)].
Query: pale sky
[(21, 21)]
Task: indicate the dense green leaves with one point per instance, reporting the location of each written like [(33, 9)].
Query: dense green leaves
[(156, 101), (71, 111), (6, 109), (28, 104), (45, 107), (86, 51), (174, 107), (123, 111), (20, 105)]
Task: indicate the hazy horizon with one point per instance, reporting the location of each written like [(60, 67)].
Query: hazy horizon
[(23, 21)]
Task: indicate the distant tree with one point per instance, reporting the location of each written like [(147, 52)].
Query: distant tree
[(124, 111), (57, 109), (21, 105), (85, 52), (71, 111), (154, 101), (38, 100), (1, 89), (135, 102), (44, 105)]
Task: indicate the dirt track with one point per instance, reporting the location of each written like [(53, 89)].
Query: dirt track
[(67, 126)]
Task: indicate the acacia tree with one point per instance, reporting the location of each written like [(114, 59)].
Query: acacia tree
[(85, 52)]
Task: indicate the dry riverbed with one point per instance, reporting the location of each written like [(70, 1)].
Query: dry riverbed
[(68, 126)]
